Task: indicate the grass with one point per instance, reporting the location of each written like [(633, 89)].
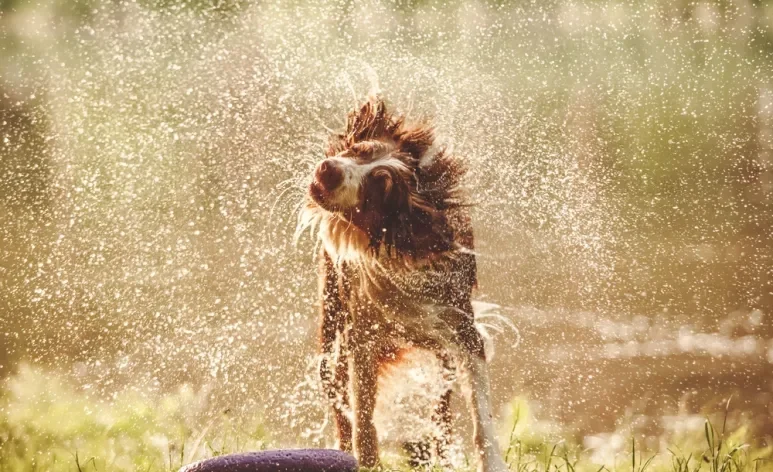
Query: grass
[(46, 423), (49, 424)]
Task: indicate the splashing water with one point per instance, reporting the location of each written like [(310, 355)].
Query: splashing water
[(156, 159)]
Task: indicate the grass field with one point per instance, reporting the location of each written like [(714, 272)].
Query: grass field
[(50, 424)]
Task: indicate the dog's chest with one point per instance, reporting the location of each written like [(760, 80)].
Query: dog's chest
[(405, 305)]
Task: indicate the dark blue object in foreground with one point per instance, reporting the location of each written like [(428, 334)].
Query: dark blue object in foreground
[(281, 460)]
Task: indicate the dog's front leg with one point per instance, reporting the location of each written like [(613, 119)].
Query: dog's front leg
[(475, 386), (334, 366), (364, 389)]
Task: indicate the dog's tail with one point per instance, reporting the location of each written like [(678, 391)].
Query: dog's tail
[(488, 320)]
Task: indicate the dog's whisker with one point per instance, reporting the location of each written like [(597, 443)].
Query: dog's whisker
[(273, 207), (289, 181)]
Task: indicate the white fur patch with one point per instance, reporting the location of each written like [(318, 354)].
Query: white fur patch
[(343, 241)]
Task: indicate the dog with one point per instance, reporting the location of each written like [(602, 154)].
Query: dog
[(397, 270)]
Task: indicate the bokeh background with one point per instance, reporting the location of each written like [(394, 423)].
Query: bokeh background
[(153, 154)]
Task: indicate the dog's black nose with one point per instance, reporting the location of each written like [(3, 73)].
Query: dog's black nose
[(329, 175)]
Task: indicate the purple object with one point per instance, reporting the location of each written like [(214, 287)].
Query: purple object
[(280, 460)]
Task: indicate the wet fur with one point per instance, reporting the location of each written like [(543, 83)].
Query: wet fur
[(396, 273)]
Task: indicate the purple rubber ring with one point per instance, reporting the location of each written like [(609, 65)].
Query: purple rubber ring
[(280, 460)]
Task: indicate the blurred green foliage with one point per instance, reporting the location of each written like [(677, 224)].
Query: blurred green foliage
[(47, 423)]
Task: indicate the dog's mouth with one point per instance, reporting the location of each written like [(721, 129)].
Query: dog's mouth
[(323, 198), (317, 193)]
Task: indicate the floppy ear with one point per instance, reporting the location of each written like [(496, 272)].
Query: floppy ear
[(378, 189), (385, 181)]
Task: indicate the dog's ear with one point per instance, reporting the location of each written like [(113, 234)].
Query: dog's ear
[(385, 182), (379, 190)]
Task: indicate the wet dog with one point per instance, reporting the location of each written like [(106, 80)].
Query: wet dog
[(396, 273)]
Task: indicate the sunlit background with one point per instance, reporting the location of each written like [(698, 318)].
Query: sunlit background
[(153, 155)]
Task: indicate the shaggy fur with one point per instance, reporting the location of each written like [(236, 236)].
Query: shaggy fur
[(396, 273)]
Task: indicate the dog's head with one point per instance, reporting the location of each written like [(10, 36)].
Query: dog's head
[(383, 185)]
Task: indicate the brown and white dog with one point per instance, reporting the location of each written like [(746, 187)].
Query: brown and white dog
[(397, 272)]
